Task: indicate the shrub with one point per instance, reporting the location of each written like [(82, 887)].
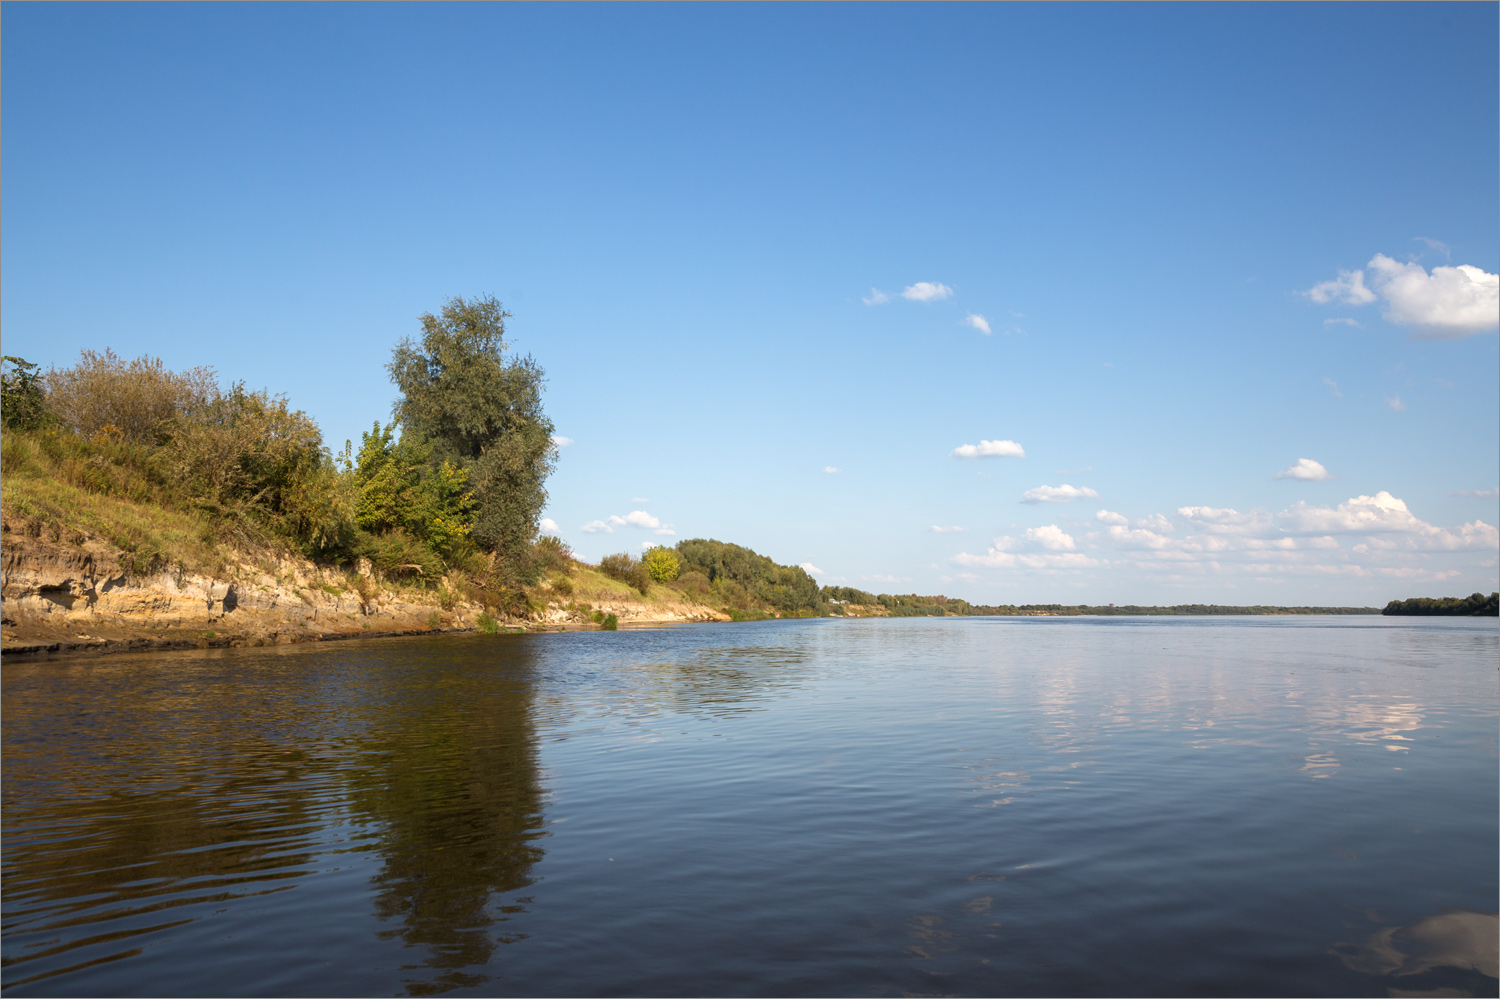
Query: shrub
[(487, 624), (693, 582), (609, 623), (562, 586), (661, 563), (553, 554), (136, 400), (627, 569)]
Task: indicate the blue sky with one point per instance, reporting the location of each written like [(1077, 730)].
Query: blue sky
[(1208, 242)]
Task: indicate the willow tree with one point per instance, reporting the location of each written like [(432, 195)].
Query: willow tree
[(479, 407)]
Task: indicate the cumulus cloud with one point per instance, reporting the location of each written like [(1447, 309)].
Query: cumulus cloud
[(1058, 494), (1478, 493), (1348, 288), (1342, 321), (927, 291), (561, 441), (831, 470), (811, 569), (635, 518), (1448, 302), (998, 558), (640, 501), (1217, 520), (548, 525), (989, 449), (1387, 523), (1305, 469), (1051, 537), (1394, 401), (1056, 551), (935, 529), (1440, 304), (1110, 517), (877, 297), (977, 321)]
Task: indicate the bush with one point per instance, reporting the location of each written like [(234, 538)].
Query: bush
[(661, 563), (627, 569), (136, 400), (693, 582), (562, 586), (553, 554)]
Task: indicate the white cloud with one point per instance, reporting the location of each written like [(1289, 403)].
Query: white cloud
[(811, 569), (989, 449), (1348, 288), (998, 558), (831, 470), (1305, 469), (1075, 471), (977, 321), (877, 297), (561, 441), (1478, 493), (1394, 401), (640, 501), (1449, 302), (1333, 387), (1051, 537), (935, 529), (1343, 321), (548, 525), (1058, 494), (635, 518), (927, 291), (1442, 304), (1109, 517), (1378, 514), (1227, 521)]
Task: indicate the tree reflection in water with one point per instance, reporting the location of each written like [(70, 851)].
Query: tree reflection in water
[(145, 796), (450, 778)]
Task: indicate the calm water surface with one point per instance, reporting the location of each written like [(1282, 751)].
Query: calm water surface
[(1231, 806)]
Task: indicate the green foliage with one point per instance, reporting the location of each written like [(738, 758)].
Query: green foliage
[(661, 563), (400, 489), (481, 410), (786, 588), (609, 622), (552, 554), (487, 624), (22, 405), (627, 569), (693, 582), (1474, 605)]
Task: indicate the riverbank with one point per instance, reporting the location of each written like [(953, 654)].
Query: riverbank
[(76, 594)]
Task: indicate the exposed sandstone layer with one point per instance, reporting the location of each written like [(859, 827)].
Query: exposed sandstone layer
[(76, 597)]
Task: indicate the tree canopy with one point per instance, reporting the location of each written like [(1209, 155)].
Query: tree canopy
[(479, 407)]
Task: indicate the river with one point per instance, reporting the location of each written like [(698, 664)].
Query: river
[(980, 806)]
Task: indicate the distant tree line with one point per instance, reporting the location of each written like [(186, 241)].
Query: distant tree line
[(916, 605), (1474, 605)]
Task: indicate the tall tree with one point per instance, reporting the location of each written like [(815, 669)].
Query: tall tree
[(480, 408)]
